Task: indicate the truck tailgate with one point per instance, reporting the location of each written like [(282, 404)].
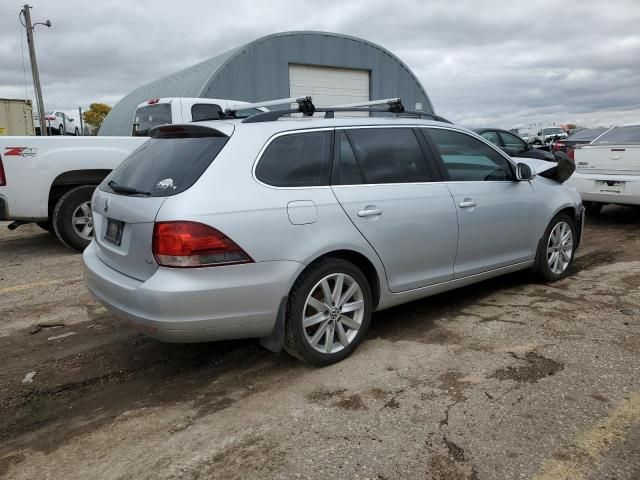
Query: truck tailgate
[(609, 159)]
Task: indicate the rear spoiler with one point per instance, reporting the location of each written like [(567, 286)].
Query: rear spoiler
[(184, 131)]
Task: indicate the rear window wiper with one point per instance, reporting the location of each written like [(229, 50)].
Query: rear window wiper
[(124, 189)]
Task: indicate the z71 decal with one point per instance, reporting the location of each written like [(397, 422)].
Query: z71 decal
[(19, 152)]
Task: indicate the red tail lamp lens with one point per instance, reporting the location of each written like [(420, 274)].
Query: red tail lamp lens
[(192, 244)]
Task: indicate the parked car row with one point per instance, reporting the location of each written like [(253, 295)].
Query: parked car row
[(58, 123)]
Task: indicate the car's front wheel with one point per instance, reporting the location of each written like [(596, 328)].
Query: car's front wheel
[(557, 248), (328, 312)]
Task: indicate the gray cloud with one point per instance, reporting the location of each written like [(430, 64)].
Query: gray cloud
[(502, 63)]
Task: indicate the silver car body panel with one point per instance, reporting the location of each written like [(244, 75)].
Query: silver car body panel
[(423, 243)]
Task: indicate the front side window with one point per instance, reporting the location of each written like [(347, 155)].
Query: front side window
[(381, 155), (467, 159), (297, 160), (513, 142)]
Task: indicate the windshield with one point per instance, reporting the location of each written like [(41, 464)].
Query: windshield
[(165, 166), (621, 135), (552, 131), (150, 116)]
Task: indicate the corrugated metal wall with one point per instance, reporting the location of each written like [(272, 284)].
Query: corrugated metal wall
[(260, 71)]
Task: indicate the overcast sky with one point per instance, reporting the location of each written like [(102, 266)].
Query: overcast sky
[(505, 63)]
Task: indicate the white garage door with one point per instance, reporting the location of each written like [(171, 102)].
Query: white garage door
[(328, 85)]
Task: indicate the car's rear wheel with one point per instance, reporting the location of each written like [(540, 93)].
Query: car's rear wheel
[(328, 312), (61, 130), (593, 208), (72, 217), (76, 132), (557, 248)]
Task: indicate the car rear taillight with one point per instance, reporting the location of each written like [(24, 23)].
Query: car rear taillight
[(192, 244), (3, 179), (572, 154), (153, 101), (557, 146), (50, 117)]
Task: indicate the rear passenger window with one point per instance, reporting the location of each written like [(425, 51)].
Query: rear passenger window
[(205, 111), (297, 160), (381, 155), (467, 159)]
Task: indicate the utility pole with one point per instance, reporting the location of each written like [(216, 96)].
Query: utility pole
[(81, 121), (34, 67)]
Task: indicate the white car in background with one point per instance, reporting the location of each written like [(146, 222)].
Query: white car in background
[(608, 169), (58, 123)]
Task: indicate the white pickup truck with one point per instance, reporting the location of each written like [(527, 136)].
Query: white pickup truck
[(50, 180), (608, 169)]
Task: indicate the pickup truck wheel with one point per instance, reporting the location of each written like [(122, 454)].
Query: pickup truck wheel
[(72, 217), (48, 226)]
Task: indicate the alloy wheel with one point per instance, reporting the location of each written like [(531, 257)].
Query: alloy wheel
[(560, 248), (82, 221), (333, 313)]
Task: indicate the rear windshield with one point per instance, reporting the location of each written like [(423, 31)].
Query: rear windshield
[(150, 116), (587, 134), (621, 135), (162, 167)]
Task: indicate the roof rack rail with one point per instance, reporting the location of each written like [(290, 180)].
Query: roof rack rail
[(394, 105), (305, 105)]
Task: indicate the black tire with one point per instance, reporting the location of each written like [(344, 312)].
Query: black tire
[(77, 132), (63, 213), (48, 226), (542, 266), (593, 208), (295, 342), (61, 130)]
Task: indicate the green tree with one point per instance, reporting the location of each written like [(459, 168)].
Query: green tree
[(95, 115)]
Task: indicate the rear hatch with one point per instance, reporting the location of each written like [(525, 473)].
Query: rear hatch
[(616, 152), (127, 202)]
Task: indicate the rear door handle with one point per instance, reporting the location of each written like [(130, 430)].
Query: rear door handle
[(370, 212), (467, 203)]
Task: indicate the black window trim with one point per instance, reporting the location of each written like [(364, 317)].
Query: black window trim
[(477, 136), (430, 164), (274, 137)]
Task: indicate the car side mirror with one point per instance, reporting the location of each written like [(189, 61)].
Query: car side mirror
[(524, 172), (72, 119)]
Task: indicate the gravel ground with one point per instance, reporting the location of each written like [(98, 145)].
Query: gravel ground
[(510, 378)]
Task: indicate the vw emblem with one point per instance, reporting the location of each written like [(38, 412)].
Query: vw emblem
[(616, 156), (106, 205)]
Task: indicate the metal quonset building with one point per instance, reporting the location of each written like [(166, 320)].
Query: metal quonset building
[(330, 67)]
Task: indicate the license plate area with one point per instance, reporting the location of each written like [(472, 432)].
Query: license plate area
[(113, 234), (609, 186)]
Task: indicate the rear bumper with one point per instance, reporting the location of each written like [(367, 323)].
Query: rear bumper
[(195, 305), (587, 185)]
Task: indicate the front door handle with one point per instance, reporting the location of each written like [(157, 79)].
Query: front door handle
[(467, 203), (370, 211)]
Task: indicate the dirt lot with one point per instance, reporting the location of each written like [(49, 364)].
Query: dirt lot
[(510, 378)]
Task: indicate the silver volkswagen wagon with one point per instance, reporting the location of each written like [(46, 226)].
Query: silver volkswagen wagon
[(295, 230)]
